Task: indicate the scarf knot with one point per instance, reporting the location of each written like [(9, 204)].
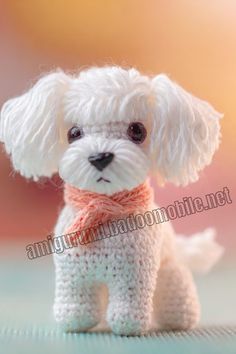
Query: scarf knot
[(94, 208)]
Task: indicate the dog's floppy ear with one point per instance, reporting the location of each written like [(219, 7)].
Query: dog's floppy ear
[(186, 132), (30, 126)]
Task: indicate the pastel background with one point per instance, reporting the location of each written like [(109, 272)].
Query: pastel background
[(192, 41)]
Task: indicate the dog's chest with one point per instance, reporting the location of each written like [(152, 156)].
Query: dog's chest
[(123, 251)]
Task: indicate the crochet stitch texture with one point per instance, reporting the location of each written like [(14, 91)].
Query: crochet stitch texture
[(128, 264)]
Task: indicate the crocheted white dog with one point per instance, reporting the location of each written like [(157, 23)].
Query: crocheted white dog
[(105, 130)]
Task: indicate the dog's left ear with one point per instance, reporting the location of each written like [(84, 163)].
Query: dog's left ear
[(30, 126), (186, 132)]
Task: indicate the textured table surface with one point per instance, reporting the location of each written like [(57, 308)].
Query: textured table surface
[(27, 326)]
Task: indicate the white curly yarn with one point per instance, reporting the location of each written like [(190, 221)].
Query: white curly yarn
[(183, 130), (200, 252), (187, 132)]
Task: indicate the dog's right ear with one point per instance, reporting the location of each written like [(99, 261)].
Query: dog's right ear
[(30, 126), (186, 132)]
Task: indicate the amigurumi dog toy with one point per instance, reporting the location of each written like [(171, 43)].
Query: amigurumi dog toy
[(105, 131)]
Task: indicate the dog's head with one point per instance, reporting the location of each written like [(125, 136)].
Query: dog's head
[(106, 129)]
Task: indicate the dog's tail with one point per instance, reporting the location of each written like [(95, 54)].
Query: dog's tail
[(200, 252)]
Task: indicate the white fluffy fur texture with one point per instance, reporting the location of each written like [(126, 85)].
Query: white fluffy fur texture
[(30, 127), (183, 131), (143, 270), (187, 132), (200, 252)]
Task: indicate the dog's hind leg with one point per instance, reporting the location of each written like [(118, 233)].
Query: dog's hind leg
[(177, 301)]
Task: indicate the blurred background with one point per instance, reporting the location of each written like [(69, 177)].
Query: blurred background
[(194, 42)]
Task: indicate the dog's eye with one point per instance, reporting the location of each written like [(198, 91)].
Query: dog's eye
[(137, 132), (74, 133)]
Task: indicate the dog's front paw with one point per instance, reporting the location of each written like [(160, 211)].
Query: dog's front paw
[(128, 324), (71, 318)]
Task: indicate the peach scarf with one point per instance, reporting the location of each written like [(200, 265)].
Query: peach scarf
[(94, 208)]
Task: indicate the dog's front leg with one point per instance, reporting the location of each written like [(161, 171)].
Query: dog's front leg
[(131, 302), (76, 306)]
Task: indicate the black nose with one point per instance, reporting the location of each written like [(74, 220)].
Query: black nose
[(101, 160)]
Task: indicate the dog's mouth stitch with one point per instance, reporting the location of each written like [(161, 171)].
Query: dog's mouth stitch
[(103, 179)]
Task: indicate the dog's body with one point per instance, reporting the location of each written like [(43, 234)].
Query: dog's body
[(105, 131), (131, 265)]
